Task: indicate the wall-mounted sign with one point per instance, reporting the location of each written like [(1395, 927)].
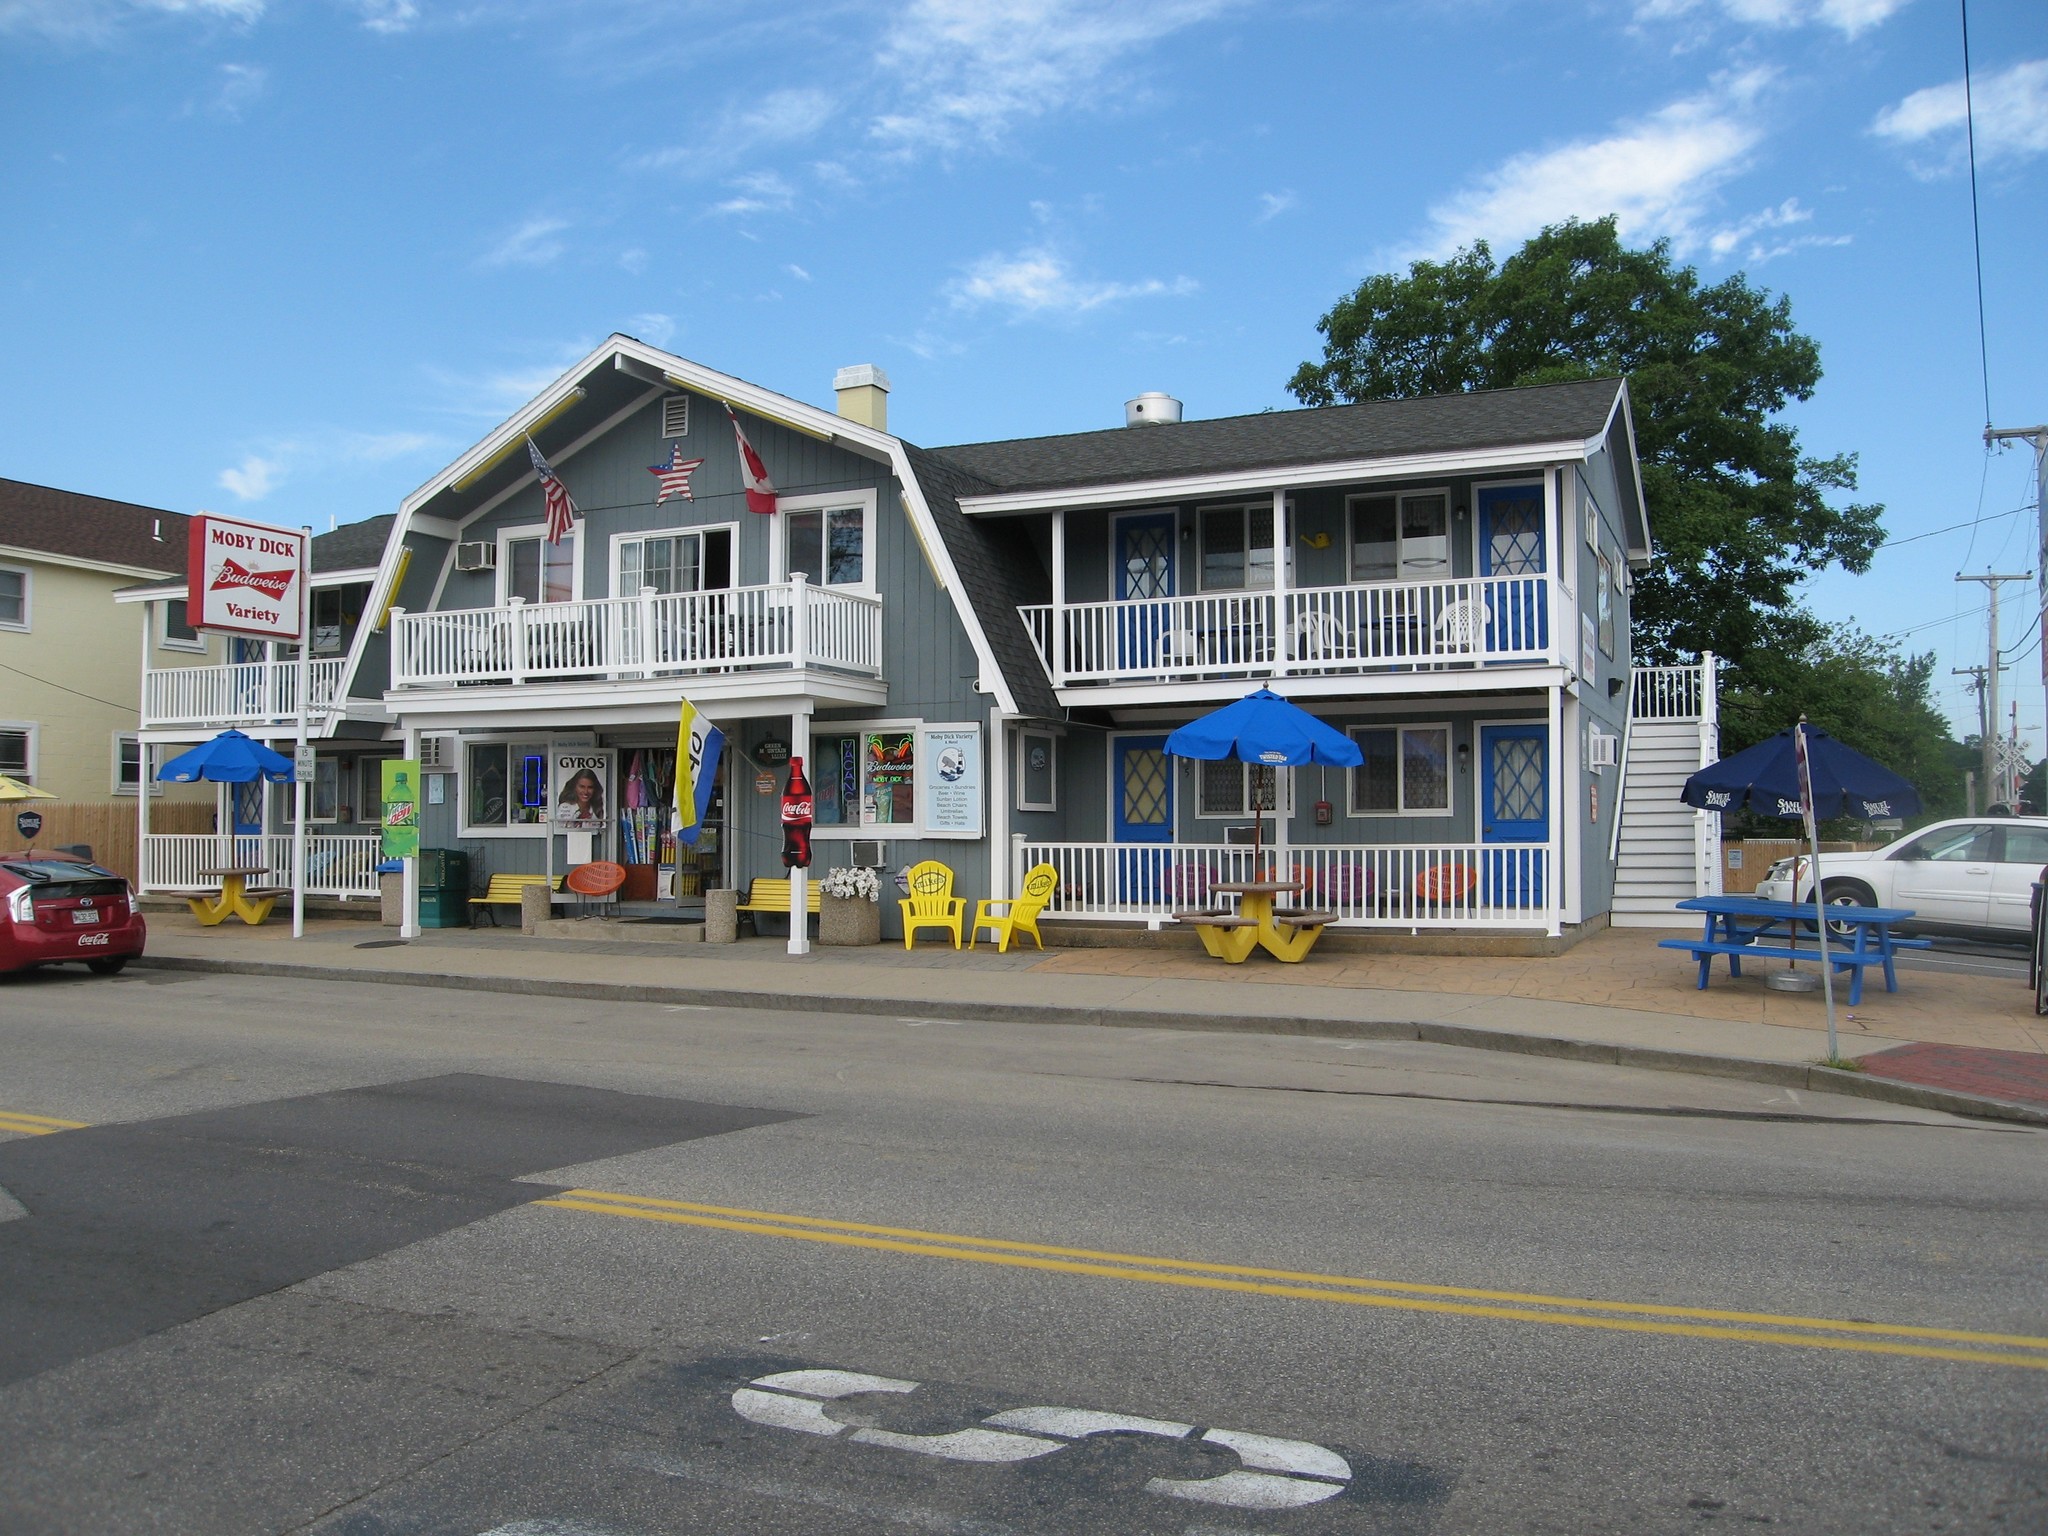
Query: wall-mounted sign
[(244, 577), (764, 783), (774, 752), (401, 807), (302, 764), (952, 759), (580, 779), (28, 823)]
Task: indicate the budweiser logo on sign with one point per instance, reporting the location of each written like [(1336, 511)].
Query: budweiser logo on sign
[(273, 584)]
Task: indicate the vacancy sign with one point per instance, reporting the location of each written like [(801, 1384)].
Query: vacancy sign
[(244, 577)]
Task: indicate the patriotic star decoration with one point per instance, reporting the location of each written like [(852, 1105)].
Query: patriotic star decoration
[(675, 475)]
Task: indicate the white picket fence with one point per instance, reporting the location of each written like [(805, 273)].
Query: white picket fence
[(1421, 885), (337, 863)]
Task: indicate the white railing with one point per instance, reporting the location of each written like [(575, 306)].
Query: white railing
[(1366, 627), (1668, 693), (238, 693), (791, 624), (1423, 885), (337, 863)]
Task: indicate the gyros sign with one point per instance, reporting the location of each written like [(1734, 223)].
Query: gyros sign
[(245, 577)]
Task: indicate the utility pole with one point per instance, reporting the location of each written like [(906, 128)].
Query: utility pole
[(1988, 738), (2038, 436), (1976, 686)]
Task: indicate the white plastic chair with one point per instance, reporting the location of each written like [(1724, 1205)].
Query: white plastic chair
[(1461, 628)]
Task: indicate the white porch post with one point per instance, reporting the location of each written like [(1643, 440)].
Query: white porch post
[(1577, 802), (1555, 859), (999, 802), (1283, 640), (409, 919), (142, 778), (799, 879), (305, 703), (1560, 644), (1056, 638)]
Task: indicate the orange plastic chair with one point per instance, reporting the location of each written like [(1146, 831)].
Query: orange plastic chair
[(1446, 882), (931, 902)]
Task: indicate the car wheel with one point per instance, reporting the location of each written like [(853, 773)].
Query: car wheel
[(106, 967), (1846, 893)]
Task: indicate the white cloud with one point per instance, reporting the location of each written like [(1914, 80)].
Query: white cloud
[(532, 244), (1656, 175), (966, 70), (796, 272), (652, 327), (2012, 118), (1741, 239), (1038, 282), (781, 117), (1848, 17), (758, 192), (388, 15), (634, 260), (239, 87), (254, 478), (493, 393), (1273, 204), (97, 20)]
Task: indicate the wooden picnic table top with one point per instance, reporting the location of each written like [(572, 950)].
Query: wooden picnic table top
[(1757, 906), (245, 870), (1258, 887)]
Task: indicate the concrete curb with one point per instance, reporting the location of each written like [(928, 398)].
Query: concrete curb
[(1815, 1079)]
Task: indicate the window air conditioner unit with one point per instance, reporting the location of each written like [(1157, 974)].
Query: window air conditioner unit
[(866, 855), (1603, 750), (437, 754), (476, 555)]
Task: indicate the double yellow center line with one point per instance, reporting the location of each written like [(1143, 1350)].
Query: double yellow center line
[(2012, 1349), (35, 1125)]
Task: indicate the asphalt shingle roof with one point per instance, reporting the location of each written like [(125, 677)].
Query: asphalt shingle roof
[(70, 524), (1494, 418)]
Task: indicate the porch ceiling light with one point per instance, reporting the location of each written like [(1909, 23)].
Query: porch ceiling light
[(573, 398)]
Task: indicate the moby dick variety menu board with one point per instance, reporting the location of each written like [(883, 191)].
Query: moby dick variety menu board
[(245, 577)]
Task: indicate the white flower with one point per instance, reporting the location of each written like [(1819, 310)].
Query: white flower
[(861, 884)]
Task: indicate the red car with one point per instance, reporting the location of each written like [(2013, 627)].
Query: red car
[(55, 907)]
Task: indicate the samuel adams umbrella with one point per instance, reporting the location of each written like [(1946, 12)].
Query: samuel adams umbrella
[(1265, 729), (230, 758), (1805, 773)]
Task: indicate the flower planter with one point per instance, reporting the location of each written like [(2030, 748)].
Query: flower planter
[(849, 920)]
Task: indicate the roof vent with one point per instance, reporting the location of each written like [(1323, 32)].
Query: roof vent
[(1151, 409)]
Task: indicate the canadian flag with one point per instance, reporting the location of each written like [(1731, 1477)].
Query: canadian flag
[(760, 489)]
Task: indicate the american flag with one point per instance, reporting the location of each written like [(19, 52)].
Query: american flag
[(561, 510), (674, 475)]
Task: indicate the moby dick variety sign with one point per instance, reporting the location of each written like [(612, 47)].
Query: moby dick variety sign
[(245, 577)]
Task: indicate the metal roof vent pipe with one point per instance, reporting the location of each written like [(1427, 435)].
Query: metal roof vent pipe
[(1152, 409)]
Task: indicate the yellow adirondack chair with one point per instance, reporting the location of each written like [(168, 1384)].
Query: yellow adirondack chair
[(931, 902), (1021, 914)]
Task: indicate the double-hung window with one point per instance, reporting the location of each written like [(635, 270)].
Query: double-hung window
[(1237, 547), (536, 571), (130, 758), (179, 635), (505, 785), (829, 545), (1400, 538), (687, 561), (1232, 788), (18, 750), (323, 795), (1407, 771), (13, 597)]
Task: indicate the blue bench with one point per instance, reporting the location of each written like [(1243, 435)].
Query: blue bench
[(1727, 933)]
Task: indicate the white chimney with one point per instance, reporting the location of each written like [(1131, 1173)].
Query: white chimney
[(1151, 409), (863, 392)]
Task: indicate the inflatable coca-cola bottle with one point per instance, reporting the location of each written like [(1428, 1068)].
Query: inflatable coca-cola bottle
[(796, 818)]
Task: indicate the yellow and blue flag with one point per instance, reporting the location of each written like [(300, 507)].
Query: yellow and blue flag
[(699, 744)]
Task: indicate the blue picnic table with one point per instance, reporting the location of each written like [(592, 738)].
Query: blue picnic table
[(1743, 928)]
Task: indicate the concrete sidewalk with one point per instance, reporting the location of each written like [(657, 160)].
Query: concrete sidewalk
[(1615, 998)]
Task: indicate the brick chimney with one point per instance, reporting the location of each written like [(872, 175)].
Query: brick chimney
[(863, 392)]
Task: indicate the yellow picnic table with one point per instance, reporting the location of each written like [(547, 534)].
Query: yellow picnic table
[(1286, 933), (234, 898)]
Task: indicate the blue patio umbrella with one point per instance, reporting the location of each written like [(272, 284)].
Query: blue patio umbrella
[(1765, 779), (230, 758), (1264, 729)]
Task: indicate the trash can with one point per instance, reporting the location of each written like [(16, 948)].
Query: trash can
[(444, 888)]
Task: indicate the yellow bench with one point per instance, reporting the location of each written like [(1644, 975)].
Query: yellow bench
[(770, 893), (508, 891)]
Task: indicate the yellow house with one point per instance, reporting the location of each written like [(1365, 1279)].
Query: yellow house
[(71, 660)]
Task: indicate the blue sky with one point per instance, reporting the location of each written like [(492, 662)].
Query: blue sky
[(287, 257)]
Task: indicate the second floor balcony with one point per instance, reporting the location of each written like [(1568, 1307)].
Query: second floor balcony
[(239, 694), (1358, 628), (789, 625)]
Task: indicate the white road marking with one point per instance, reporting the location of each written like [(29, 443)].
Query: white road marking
[(832, 1383), (686, 1008), (1246, 1490), (550, 1528), (1077, 1423), (806, 1415), (984, 1445), (1271, 1455)]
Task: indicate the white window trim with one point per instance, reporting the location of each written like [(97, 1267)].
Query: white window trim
[(896, 831), (865, 500), (34, 730), (288, 798), (28, 591), (1283, 792), (696, 530), (1244, 509), (508, 536), (532, 830), (167, 641), (1516, 483), (1052, 759), (142, 765), (1450, 808), (1398, 496)]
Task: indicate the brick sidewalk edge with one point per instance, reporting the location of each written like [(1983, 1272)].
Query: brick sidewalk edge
[(1817, 1079)]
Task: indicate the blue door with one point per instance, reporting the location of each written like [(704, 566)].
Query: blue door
[(1514, 812), (1141, 815), (1511, 544), (1144, 569)]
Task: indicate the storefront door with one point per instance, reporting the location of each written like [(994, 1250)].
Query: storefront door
[(1514, 810), (1141, 813)]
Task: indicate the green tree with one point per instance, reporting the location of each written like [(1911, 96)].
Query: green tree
[(1866, 694), (1738, 514)]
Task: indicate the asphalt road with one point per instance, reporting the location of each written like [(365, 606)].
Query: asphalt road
[(351, 1259)]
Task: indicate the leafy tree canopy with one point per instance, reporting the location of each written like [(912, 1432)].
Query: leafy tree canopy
[(1865, 693), (1738, 514)]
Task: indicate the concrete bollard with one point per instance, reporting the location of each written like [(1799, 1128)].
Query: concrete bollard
[(391, 896), (535, 907), (721, 917)]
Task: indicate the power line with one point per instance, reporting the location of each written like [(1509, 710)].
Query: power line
[(1976, 223), (48, 683), (1934, 623), (1933, 533)]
